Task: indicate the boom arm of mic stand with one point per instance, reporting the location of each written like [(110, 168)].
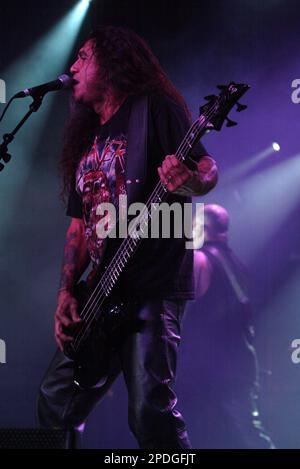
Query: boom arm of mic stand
[(8, 138)]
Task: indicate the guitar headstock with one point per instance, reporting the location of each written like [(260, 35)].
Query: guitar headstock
[(217, 108)]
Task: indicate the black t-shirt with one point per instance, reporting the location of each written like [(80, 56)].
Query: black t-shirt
[(160, 267)]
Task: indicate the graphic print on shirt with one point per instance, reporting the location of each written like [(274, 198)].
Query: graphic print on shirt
[(100, 178)]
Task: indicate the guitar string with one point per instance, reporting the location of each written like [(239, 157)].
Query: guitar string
[(88, 314)]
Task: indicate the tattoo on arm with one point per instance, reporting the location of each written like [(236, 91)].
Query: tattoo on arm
[(70, 262)]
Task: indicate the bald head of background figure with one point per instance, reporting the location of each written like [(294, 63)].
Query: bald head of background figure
[(216, 223), (213, 227)]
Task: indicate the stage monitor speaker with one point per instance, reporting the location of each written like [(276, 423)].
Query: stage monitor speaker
[(36, 438)]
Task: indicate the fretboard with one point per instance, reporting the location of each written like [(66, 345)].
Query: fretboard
[(130, 244)]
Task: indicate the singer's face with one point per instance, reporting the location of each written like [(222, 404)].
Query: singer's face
[(86, 72)]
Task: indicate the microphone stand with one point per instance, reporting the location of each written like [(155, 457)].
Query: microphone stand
[(8, 138)]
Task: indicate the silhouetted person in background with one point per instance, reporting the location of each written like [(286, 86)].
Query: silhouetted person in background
[(226, 357)]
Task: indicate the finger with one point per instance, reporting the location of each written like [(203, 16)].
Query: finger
[(56, 327), (177, 182), (173, 167), (168, 174), (167, 164), (172, 186), (64, 338), (58, 331), (59, 343), (181, 172), (181, 178), (73, 311), (168, 180), (171, 161), (62, 311), (57, 339), (162, 176), (174, 162), (63, 319)]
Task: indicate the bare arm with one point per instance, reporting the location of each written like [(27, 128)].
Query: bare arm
[(76, 258), (202, 273), (75, 261)]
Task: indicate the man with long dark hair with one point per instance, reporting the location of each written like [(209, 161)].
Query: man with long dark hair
[(117, 79)]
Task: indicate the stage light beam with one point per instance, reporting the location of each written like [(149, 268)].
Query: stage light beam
[(42, 63), (241, 170)]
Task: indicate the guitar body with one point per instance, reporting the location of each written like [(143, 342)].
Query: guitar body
[(95, 345)]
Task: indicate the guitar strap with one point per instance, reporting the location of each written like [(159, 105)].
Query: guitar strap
[(227, 268), (136, 159)]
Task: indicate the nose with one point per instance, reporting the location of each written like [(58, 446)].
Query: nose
[(74, 67)]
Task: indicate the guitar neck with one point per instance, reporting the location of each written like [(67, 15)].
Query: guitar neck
[(131, 243), (212, 116)]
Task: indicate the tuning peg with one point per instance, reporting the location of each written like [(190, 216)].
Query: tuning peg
[(209, 97), (230, 123), (222, 87), (240, 107)]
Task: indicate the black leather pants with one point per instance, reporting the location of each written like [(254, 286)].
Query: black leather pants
[(147, 358)]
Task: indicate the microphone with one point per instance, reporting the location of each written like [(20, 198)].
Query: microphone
[(63, 82)]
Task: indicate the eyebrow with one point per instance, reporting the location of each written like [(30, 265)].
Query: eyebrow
[(82, 53)]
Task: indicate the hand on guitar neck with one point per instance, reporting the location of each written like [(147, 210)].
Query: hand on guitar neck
[(181, 180)]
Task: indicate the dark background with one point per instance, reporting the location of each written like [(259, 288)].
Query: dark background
[(200, 44)]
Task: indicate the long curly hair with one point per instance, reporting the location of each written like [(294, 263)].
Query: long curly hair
[(129, 68)]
